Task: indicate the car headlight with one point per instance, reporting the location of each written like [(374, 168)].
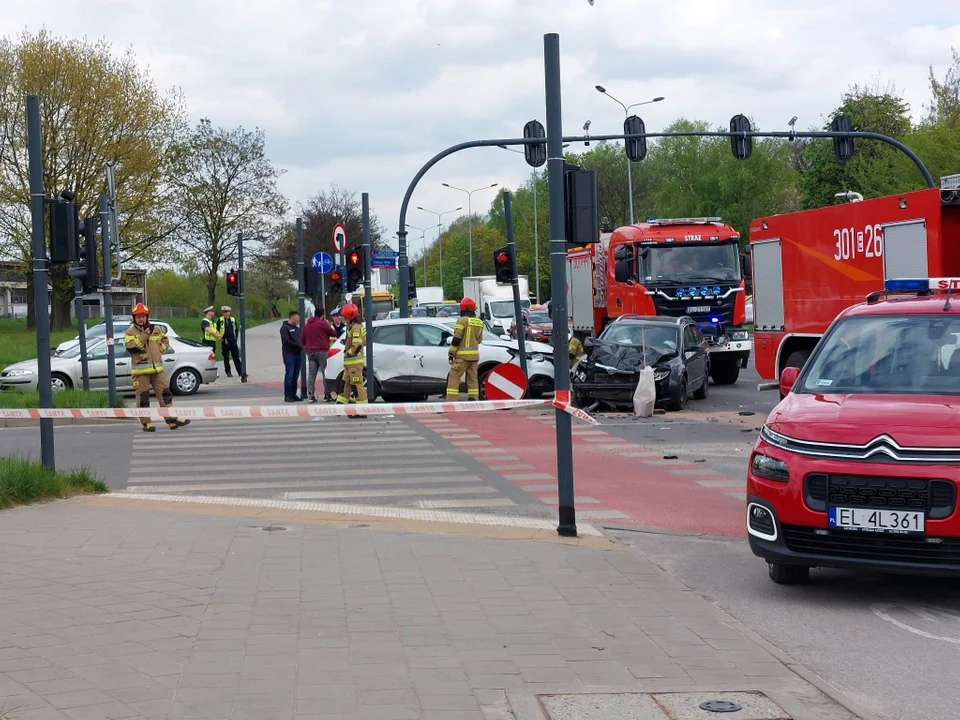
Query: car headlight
[(740, 335), (770, 468), (18, 372), (662, 374)]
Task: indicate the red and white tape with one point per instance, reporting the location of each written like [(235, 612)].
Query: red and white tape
[(287, 411)]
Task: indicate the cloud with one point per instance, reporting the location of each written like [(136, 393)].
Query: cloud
[(362, 92)]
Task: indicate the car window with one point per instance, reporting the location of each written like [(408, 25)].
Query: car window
[(391, 335), (690, 341), (428, 335)]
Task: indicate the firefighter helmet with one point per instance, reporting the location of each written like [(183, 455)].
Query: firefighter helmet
[(140, 309), (350, 312), (467, 304)]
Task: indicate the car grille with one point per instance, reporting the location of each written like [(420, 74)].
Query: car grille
[(873, 546), (722, 310), (937, 498)]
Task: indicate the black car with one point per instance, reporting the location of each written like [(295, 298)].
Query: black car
[(610, 370)]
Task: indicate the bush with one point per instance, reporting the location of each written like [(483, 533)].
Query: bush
[(63, 399), (24, 480)]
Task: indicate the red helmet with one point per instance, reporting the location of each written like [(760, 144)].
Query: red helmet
[(140, 309), (468, 304), (350, 311)]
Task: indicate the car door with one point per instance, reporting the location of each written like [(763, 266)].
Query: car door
[(430, 353), (391, 357), (97, 366), (695, 356)]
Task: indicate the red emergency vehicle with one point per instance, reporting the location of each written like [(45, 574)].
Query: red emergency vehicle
[(809, 266), (666, 267)]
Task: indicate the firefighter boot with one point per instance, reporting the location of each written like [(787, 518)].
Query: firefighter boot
[(174, 423), (148, 427)]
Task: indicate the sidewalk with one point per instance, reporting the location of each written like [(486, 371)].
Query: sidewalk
[(117, 608)]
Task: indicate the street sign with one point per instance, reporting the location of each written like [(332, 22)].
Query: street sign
[(505, 382), (384, 259), (339, 237), (322, 263)]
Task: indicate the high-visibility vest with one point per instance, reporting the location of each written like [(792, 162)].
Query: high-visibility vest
[(469, 347), (353, 345), (207, 335), (221, 326)]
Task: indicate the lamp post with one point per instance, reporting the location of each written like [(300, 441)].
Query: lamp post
[(469, 194), (439, 234), (626, 113), (423, 240)]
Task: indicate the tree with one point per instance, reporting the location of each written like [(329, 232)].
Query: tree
[(937, 139), (223, 184), (266, 277), (95, 107)]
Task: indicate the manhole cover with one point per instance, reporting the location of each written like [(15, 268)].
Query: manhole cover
[(720, 706), (661, 706), (273, 528)]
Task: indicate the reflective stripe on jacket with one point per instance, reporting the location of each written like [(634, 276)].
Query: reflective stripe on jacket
[(146, 347), (469, 330), (207, 335), (353, 345), (233, 322)]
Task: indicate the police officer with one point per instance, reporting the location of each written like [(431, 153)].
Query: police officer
[(146, 344), (229, 339), (353, 343), (209, 330), (465, 352)]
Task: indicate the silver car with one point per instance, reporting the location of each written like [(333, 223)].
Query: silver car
[(186, 363), (96, 332)]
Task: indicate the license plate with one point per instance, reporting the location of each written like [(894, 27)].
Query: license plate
[(698, 308), (892, 521)]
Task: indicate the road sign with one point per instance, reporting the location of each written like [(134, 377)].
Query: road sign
[(384, 259), (322, 263), (339, 237), (505, 382)]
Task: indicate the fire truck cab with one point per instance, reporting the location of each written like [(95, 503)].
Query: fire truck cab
[(666, 267)]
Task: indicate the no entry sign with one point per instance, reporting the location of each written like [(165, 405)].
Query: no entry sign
[(339, 237), (505, 382)]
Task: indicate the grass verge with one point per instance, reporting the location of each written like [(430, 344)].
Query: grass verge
[(63, 399), (24, 480)]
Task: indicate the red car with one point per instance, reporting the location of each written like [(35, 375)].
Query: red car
[(537, 323), (858, 466)]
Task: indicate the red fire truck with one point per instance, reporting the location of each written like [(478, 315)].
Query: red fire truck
[(809, 266), (666, 267)]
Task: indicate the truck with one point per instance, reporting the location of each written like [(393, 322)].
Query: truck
[(810, 266), (670, 268), (495, 301), (429, 295)]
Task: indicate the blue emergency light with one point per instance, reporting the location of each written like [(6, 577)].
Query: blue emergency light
[(715, 320), (693, 292), (716, 290), (679, 292), (704, 291), (907, 285)]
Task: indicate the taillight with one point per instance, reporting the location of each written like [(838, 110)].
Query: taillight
[(332, 351), (211, 357)]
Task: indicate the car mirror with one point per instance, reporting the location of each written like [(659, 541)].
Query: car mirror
[(621, 271), (623, 252), (788, 379)]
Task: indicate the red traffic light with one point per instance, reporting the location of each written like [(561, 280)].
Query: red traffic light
[(502, 257), (334, 276), (354, 258), (232, 277)]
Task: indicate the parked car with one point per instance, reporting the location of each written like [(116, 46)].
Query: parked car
[(96, 332), (187, 365), (610, 369), (410, 359)]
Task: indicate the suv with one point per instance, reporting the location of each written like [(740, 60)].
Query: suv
[(858, 466)]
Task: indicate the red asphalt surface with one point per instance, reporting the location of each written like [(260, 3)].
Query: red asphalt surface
[(638, 482)]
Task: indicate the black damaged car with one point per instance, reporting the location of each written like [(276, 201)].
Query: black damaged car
[(610, 369)]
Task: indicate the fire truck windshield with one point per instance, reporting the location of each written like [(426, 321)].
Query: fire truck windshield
[(900, 354), (683, 263)]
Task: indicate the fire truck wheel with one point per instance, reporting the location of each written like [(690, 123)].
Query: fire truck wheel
[(724, 371), (788, 574)]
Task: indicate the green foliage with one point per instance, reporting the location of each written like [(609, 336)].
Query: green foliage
[(169, 288), (24, 480), (62, 399)]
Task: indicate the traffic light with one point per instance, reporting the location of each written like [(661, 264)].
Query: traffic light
[(503, 265), (411, 284), (311, 281), (580, 205), (636, 147), (842, 147), (336, 282), (354, 268), (535, 155), (87, 268), (63, 232), (741, 145), (233, 283)]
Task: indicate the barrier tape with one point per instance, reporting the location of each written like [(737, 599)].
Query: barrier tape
[(288, 411)]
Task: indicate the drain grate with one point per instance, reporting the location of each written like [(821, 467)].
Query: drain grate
[(720, 706)]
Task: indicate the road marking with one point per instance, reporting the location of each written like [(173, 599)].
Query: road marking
[(585, 499), (321, 484), (924, 612), (601, 515), (279, 473), (539, 488), (395, 492), (516, 477), (729, 483), (445, 504)]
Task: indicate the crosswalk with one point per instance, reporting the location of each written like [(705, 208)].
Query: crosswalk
[(374, 461)]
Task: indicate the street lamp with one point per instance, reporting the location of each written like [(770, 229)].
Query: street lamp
[(626, 113), (423, 240), (469, 214), (439, 234)]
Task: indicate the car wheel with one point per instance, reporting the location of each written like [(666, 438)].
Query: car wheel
[(185, 382), (702, 391), (377, 390), (59, 381), (679, 399), (725, 371), (482, 380), (788, 574)]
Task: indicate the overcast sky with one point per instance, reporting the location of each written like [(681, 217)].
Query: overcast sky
[(363, 92)]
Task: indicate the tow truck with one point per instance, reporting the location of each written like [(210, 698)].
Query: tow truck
[(809, 266), (859, 465), (668, 267)]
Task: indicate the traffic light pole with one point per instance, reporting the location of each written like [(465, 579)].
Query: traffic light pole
[(302, 305), (108, 302), (40, 300), (514, 280), (81, 332), (368, 295), (243, 312)]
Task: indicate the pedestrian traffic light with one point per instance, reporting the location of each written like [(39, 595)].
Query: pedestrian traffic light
[(86, 268), (742, 145), (233, 283), (354, 268), (310, 281), (580, 205), (336, 283), (63, 231), (636, 147), (503, 265), (842, 147)]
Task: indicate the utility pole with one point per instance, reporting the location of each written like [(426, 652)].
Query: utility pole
[(243, 311), (368, 294), (41, 311), (302, 305), (514, 280), (105, 234)]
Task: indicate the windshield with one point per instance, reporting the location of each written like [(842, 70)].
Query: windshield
[(899, 354), (682, 263), (663, 337), (504, 308), (538, 319), (382, 306)]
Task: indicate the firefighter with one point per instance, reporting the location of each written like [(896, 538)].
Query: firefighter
[(353, 343), (209, 330), (465, 352), (575, 348), (146, 344)]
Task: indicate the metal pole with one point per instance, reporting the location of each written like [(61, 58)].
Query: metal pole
[(440, 245), (81, 332), (630, 185), (105, 234), (243, 311), (514, 281), (470, 228), (368, 293), (536, 241), (301, 306), (323, 292), (558, 252), (41, 311)]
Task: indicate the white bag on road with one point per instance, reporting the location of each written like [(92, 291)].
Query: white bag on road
[(645, 396)]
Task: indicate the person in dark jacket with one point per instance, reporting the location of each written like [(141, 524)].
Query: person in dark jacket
[(338, 327), (292, 350), (316, 335)]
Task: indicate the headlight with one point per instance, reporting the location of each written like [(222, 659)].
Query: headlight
[(770, 468), (18, 371), (740, 335), (775, 438), (661, 375)]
